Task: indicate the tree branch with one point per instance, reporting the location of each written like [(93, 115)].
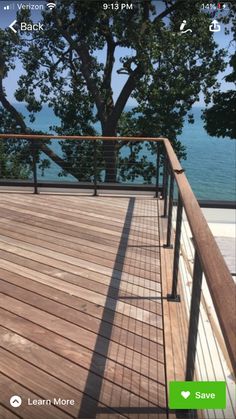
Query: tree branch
[(85, 68), (42, 146), (134, 75), (125, 94), (106, 88), (167, 11), (109, 58), (6, 104), (172, 8), (86, 65), (58, 160)]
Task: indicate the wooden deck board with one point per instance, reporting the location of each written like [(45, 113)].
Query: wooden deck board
[(80, 306)]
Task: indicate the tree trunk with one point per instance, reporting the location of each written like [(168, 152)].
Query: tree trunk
[(109, 151), (58, 160)]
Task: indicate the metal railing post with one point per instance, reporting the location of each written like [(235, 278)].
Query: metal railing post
[(95, 193), (157, 171), (165, 185), (34, 161), (169, 226), (174, 296), (194, 318)]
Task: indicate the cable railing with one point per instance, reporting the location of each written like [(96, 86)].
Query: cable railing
[(212, 361), (81, 162), (208, 259)]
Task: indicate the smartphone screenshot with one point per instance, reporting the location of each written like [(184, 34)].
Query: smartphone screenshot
[(117, 209)]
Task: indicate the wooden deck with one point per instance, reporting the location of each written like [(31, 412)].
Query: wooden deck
[(80, 306)]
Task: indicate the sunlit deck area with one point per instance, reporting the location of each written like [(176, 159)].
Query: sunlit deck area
[(108, 292), (81, 305)]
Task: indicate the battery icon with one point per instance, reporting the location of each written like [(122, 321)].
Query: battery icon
[(221, 6)]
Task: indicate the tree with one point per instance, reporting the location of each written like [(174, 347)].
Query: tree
[(220, 117), (63, 67), (11, 161)]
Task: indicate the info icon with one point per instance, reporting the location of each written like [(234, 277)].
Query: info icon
[(15, 401)]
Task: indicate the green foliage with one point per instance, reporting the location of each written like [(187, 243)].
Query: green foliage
[(11, 159), (220, 118), (80, 155), (70, 66)]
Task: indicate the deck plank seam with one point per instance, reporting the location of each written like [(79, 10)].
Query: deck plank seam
[(82, 346), (69, 321), (96, 317), (77, 364)]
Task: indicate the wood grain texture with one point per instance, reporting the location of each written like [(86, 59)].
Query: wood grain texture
[(140, 243), (6, 414), (175, 316), (81, 306)]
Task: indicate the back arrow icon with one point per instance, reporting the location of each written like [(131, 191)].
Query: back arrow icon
[(11, 26)]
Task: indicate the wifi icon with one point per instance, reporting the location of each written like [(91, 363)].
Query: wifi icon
[(51, 6)]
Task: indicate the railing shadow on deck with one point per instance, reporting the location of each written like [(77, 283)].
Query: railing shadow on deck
[(208, 260), (88, 408)]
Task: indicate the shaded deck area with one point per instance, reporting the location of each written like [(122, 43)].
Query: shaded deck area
[(81, 306)]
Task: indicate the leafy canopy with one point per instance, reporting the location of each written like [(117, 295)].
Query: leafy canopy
[(73, 65), (220, 117)]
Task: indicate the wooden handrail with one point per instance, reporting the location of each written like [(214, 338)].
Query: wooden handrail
[(78, 137), (219, 279)]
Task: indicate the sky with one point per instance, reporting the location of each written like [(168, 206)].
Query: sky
[(7, 16)]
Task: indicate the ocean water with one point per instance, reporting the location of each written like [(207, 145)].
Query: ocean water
[(211, 162), (210, 166)]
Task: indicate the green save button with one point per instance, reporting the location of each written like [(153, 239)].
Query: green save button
[(197, 395)]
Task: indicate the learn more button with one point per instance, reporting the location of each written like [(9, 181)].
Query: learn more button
[(197, 395)]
